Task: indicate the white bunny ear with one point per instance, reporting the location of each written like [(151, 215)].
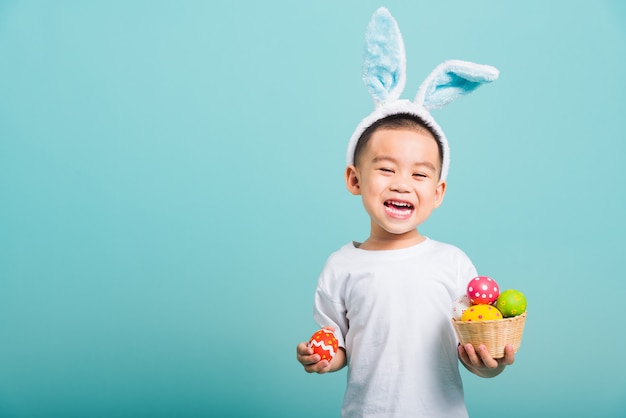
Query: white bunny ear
[(384, 61), (451, 80)]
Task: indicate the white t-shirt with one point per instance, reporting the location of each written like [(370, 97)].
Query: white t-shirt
[(392, 313)]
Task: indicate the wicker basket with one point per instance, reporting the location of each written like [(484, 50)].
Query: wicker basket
[(493, 334)]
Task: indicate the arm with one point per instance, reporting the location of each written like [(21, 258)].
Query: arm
[(328, 309), (480, 362)]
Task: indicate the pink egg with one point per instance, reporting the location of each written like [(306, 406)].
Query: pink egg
[(483, 290)]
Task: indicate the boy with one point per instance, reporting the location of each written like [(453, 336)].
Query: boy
[(388, 299)]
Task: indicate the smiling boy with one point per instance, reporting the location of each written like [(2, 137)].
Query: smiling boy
[(389, 299)]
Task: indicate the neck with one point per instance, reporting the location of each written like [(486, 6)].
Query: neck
[(392, 241)]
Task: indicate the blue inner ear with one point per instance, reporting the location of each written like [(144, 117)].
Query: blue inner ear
[(380, 82), (383, 57), (448, 88), (460, 83)]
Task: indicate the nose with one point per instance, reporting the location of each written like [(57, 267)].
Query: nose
[(400, 185)]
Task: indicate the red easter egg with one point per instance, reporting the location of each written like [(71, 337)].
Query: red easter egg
[(483, 290), (324, 343)]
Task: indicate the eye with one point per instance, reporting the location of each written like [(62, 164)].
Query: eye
[(386, 170)]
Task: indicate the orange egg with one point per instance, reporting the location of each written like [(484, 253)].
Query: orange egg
[(324, 343), (481, 313)]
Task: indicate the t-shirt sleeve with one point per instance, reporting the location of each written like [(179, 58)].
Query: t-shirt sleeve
[(329, 308), (466, 272)]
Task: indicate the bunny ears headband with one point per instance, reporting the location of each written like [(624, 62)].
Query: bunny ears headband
[(384, 74)]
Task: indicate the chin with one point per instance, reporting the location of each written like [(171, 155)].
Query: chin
[(400, 232)]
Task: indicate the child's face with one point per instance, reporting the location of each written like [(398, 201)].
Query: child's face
[(398, 180)]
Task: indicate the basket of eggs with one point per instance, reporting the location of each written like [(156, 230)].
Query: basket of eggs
[(484, 315)]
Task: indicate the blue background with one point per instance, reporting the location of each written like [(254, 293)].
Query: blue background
[(171, 183)]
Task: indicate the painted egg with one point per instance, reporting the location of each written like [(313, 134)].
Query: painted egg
[(459, 306), (324, 343), (511, 303), (482, 290), (481, 313)]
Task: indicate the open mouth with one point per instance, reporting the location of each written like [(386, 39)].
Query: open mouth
[(398, 209)]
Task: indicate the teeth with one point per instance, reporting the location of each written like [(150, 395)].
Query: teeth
[(401, 204)]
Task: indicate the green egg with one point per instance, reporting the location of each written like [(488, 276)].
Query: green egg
[(511, 303)]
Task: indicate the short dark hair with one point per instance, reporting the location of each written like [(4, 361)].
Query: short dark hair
[(397, 121)]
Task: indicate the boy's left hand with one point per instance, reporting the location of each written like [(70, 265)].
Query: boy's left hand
[(478, 360)]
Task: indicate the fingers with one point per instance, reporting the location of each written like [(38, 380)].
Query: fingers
[(304, 349), (320, 367), (478, 357), (463, 355), (509, 355), (305, 355), (486, 358), (469, 355), (312, 362)]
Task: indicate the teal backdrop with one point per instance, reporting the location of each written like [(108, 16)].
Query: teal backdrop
[(171, 183)]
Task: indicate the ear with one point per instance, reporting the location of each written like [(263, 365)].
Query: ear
[(440, 192), (384, 58), (451, 80), (353, 180)]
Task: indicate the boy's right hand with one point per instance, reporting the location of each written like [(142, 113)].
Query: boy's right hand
[(312, 363)]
